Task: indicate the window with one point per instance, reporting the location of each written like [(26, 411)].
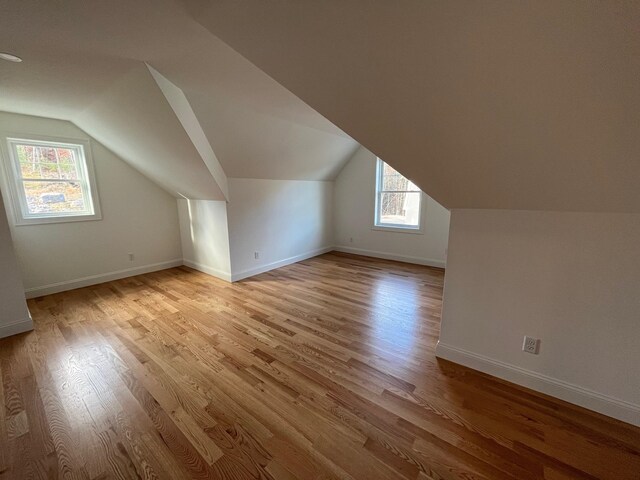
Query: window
[(53, 181), (397, 200)]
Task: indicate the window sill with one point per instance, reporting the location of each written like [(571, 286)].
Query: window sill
[(62, 219), (414, 231)]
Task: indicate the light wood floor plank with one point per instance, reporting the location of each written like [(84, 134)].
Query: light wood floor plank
[(322, 369)]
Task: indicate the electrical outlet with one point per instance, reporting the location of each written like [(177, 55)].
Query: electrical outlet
[(531, 345), (130, 257), (256, 255)]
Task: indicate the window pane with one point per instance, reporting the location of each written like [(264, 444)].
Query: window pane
[(55, 197), (393, 180), (400, 209), (45, 154), (47, 162)]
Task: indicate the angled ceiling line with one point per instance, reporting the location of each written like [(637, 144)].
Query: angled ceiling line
[(93, 74), (134, 119), (180, 105), (498, 105)]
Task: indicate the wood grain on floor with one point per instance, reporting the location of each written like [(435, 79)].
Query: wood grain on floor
[(322, 369)]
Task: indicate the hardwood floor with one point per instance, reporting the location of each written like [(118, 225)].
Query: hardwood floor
[(322, 369)]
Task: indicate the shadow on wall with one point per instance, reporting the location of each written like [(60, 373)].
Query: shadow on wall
[(205, 237)]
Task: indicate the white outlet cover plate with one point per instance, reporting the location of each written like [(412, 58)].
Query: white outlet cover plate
[(530, 345)]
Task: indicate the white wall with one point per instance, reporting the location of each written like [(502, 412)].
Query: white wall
[(14, 315), (354, 216), (205, 236), (137, 217), (284, 220), (570, 279)]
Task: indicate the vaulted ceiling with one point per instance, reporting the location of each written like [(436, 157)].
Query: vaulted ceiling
[(493, 104), (531, 104), (85, 62)]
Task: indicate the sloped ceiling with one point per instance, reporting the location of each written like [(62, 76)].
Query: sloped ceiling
[(491, 104), (263, 145), (84, 62), (136, 121)]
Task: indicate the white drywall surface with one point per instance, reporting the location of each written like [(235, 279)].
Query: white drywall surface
[(569, 279), (283, 220), (354, 212), (137, 217), (205, 236), (14, 315)]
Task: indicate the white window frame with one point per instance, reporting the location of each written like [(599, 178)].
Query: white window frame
[(394, 227), (15, 185)]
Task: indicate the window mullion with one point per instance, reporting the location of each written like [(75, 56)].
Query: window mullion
[(53, 180), (399, 191)]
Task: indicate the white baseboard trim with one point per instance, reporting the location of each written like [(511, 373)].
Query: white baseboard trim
[(598, 402), (391, 256), (101, 278), (222, 275), (14, 328), (280, 263)]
